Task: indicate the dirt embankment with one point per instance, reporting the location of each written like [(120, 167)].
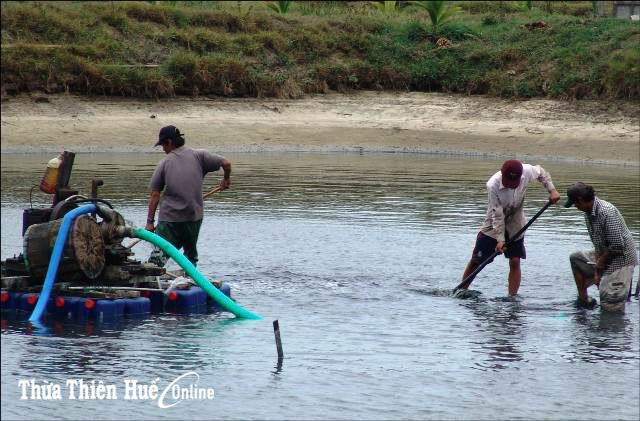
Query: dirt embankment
[(593, 131)]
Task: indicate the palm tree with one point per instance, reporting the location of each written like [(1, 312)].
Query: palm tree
[(438, 12), (278, 6), (386, 7)]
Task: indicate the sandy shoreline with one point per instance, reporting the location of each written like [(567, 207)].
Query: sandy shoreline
[(589, 131)]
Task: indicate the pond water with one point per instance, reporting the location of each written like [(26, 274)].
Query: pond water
[(355, 256)]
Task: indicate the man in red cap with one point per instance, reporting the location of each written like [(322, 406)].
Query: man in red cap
[(505, 216)]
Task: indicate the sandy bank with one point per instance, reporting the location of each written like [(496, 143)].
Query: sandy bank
[(367, 121)]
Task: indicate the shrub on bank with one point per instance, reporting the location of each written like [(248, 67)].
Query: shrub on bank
[(237, 49)]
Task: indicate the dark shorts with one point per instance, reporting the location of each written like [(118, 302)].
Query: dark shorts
[(183, 235), (485, 246)]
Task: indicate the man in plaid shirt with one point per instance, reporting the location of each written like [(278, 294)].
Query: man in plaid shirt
[(611, 264)]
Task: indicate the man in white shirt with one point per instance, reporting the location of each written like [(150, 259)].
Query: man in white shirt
[(505, 216)]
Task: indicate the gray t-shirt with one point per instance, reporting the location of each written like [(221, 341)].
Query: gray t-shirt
[(180, 174)]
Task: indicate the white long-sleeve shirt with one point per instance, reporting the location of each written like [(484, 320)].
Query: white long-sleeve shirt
[(506, 206)]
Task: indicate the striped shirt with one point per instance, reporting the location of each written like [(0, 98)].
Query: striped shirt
[(609, 232), (506, 206)]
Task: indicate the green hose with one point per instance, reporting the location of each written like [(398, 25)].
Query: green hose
[(224, 301)]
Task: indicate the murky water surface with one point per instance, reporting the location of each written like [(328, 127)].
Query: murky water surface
[(355, 256)]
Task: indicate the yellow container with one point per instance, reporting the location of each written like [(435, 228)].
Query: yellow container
[(50, 178)]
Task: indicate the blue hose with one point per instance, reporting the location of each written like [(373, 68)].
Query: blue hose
[(54, 262)]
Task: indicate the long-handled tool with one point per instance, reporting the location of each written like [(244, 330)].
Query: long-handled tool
[(467, 281), (216, 190), (204, 196)]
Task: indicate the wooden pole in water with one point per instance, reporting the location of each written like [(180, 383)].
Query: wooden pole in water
[(216, 190), (276, 331)]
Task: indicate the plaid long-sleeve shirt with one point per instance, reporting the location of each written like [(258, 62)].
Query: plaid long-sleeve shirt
[(609, 232)]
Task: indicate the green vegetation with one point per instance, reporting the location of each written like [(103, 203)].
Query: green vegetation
[(439, 13), (386, 7), (279, 6), (159, 49)]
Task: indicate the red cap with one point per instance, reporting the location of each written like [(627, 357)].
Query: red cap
[(511, 172)]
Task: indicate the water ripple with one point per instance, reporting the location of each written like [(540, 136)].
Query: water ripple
[(356, 256)]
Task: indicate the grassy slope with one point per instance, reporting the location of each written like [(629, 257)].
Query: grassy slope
[(247, 50)]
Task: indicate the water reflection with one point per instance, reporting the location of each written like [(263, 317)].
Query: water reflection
[(278, 369), (502, 325), (358, 254), (603, 336), (415, 189)]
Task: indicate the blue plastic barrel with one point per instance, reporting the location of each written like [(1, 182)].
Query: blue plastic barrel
[(28, 302), (86, 311), (100, 310), (185, 300), (12, 300), (109, 309), (137, 306), (226, 290), (157, 300), (201, 296), (192, 300), (64, 308)]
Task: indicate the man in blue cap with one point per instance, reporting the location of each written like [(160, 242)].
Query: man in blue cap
[(180, 176)]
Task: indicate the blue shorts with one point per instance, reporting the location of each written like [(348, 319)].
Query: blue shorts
[(485, 246)]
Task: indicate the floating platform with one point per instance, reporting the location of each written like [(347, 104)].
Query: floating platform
[(193, 300), (90, 274)]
